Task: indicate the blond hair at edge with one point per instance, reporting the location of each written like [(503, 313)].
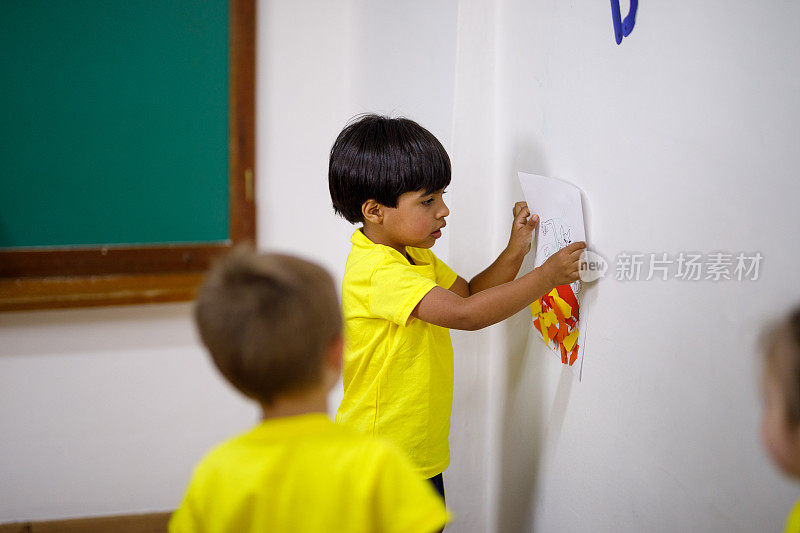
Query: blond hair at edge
[(782, 349)]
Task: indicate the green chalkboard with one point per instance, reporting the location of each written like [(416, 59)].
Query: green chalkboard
[(114, 122)]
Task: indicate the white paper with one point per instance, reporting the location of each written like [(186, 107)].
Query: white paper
[(560, 211)]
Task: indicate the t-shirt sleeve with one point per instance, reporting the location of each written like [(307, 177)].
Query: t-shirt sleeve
[(395, 290), (405, 502), (445, 276), (187, 519), (793, 520)]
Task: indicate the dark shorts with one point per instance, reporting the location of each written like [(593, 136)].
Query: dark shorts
[(438, 484)]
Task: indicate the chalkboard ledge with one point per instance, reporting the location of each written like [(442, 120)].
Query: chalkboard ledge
[(54, 293)]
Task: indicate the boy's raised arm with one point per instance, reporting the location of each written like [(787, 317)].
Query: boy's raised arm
[(447, 309), (508, 263)]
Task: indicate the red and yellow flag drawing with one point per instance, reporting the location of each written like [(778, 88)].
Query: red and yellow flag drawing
[(555, 316)]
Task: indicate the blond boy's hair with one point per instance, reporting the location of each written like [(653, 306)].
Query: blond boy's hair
[(782, 343), (267, 321)]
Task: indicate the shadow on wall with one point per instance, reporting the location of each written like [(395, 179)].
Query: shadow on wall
[(528, 430)]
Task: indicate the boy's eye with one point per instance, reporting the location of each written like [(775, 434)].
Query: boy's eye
[(430, 200)]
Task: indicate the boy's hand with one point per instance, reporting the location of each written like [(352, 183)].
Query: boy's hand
[(562, 267), (522, 229)]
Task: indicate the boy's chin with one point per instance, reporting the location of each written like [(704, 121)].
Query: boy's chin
[(783, 462), (425, 243)]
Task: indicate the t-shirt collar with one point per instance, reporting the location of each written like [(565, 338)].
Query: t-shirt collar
[(290, 425), (359, 239)]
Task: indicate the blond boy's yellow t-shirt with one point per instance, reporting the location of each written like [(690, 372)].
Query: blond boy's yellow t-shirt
[(306, 474), (398, 370), (793, 520)]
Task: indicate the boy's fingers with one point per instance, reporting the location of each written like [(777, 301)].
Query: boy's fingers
[(533, 220), (521, 214), (575, 246), (576, 253)]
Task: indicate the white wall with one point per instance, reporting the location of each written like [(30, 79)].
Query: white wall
[(684, 139), (104, 411)]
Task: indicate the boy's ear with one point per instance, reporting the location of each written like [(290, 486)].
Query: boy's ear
[(372, 211), (335, 353), (332, 362)]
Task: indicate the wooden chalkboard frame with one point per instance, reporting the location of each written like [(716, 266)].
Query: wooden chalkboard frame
[(117, 275)]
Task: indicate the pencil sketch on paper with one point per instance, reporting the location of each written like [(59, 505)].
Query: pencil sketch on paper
[(555, 234)]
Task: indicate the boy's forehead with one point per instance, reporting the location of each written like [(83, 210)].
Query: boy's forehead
[(423, 192)]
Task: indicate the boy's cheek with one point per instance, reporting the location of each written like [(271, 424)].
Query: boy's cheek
[(766, 442), (777, 446)]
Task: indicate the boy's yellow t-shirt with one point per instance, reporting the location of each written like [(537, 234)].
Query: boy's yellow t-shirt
[(793, 520), (306, 474), (398, 370)]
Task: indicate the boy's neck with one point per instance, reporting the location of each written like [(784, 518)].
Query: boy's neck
[(374, 233), (306, 402)]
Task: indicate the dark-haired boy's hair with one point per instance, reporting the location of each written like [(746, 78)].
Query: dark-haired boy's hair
[(267, 321), (782, 342), (380, 158)]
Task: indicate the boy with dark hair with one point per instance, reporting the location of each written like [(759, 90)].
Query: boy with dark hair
[(399, 300), (274, 329)]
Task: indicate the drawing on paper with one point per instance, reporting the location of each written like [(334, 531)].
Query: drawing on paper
[(556, 234), (557, 315)]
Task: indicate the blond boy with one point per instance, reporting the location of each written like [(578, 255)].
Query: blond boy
[(273, 328)]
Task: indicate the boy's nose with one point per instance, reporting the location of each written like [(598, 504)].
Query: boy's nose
[(445, 211)]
